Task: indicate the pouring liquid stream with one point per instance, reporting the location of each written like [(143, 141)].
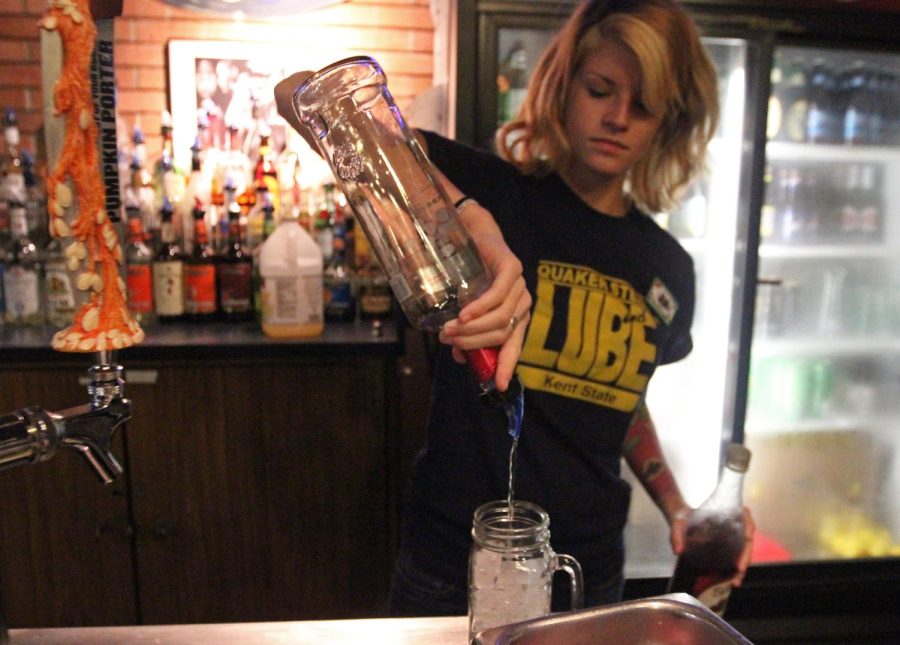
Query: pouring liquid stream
[(515, 410)]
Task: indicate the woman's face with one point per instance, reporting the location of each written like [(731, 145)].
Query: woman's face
[(607, 124)]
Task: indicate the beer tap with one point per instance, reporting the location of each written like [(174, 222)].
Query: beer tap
[(31, 434)]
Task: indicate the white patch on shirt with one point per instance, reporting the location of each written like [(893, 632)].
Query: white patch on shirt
[(662, 301)]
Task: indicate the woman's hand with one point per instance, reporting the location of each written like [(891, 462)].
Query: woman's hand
[(677, 538), (500, 315)]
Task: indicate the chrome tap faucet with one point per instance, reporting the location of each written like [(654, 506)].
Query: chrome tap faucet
[(32, 434)]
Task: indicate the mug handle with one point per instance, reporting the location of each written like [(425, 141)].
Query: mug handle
[(576, 581)]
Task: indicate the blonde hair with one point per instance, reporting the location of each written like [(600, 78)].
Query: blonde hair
[(679, 84)]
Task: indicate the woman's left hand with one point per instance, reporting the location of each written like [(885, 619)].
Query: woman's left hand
[(677, 538)]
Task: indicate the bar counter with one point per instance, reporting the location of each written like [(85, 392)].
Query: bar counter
[(393, 631), (216, 339)]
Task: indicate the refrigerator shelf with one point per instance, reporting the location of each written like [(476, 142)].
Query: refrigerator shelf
[(759, 425), (778, 150), (827, 347), (873, 251)]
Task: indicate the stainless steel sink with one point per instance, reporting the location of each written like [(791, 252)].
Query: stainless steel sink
[(673, 619)]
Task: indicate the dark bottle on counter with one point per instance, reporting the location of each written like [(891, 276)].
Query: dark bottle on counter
[(168, 271), (200, 272), (234, 272), (714, 538)]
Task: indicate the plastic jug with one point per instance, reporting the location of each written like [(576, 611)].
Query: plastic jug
[(290, 266)]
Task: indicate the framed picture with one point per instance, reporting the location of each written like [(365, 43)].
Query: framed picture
[(229, 84)]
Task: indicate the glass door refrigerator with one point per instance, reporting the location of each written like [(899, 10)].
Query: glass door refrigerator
[(823, 413)]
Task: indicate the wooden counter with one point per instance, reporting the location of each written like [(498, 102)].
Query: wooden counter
[(263, 480)]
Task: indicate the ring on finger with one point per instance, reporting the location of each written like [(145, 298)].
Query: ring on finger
[(513, 322)]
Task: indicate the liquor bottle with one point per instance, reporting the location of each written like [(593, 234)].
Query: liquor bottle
[(139, 273), (168, 181), (266, 170), (715, 538), (12, 178), (168, 271), (375, 300), (197, 188), (267, 209), (256, 217), (22, 277), (35, 203), (340, 301), (60, 305), (200, 272), (234, 272), (139, 194)]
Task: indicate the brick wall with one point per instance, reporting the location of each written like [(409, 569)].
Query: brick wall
[(399, 33)]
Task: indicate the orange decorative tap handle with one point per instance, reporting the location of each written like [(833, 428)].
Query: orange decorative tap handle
[(104, 322)]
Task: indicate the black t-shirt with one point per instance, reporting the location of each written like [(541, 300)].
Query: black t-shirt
[(613, 298)]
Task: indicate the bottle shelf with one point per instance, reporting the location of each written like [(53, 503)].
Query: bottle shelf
[(779, 150)]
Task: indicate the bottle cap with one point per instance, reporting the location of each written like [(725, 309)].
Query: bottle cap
[(737, 457)]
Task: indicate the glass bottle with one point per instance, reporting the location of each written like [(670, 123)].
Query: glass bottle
[(234, 272), (714, 538), (197, 188), (200, 272), (12, 177), (22, 278), (511, 565), (265, 171), (267, 210), (58, 286), (35, 203), (168, 271), (139, 273), (340, 303), (432, 264), (374, 300)]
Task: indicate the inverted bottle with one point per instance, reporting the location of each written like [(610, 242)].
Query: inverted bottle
[(432, 264)]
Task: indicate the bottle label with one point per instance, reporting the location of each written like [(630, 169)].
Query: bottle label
[(200, 288), (60, 296), (714, 596), (139, 281), (22, 292), (235, 286), (292, 299), (375, 301), (168, 288), (338, 299)]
